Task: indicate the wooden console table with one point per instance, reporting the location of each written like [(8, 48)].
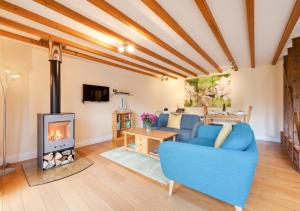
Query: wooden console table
[(210, 118)]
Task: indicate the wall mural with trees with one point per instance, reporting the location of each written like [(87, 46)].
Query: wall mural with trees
[(211, 91)]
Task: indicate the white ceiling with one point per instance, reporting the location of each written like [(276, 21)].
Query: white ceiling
[(270, 19)]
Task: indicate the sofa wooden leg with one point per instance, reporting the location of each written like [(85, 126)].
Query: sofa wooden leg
[(171, 185), (237, 208)]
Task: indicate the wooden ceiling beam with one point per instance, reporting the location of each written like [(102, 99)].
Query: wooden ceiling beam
[(73, 53), (164, 16), (251, 36), (109, 9), (102, 61), (52, 24), (21, 38), (287, 31), (95, 59), (45, 35), (51, 4), (210, 20)]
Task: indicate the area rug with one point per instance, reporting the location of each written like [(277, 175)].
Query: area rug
[(137, 162)]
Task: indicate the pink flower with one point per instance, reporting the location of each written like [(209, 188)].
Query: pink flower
[(148, 118)]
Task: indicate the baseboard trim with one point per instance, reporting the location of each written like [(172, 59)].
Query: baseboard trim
[(33, 154), (20, 157), (270, 139)]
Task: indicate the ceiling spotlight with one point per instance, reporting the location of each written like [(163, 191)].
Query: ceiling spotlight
[(126, 48), (15, 76), (164, 78), (130, 48), (7, 71), (121, 49)]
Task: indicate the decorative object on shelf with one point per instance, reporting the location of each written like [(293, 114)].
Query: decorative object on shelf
[(148, 119), (123, 106), (7, 79), (121, 121), (224, 107), (179, 110), (116, 92), (208, 91), (126, 47)]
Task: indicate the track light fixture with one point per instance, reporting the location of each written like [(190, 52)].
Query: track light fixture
[(164, 78), (233, 65), (126, 48)]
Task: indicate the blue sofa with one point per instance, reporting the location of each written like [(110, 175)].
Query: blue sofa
[(188, 127), (225, 173)]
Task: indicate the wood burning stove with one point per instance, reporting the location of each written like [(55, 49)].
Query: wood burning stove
[(55, 139), (55, 130)]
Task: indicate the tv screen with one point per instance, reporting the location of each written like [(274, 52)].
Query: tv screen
[(95, 93)]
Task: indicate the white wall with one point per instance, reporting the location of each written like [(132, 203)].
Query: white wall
[(31, 95), (260, 87)]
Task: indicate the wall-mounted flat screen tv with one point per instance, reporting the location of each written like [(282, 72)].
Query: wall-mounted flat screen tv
[(94, 93)]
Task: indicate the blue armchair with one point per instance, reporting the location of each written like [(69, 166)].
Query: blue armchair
[(225, 173)]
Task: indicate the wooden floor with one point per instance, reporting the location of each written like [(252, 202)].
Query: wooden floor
[(108, 186)]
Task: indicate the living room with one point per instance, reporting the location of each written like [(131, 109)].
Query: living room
[(146, 56)]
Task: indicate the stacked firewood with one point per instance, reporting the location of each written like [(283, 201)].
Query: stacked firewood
[(55, 159)]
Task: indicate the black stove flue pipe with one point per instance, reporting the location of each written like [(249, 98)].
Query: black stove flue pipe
[(55, 59)]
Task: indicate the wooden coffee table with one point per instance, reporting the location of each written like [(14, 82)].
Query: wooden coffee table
[(145, 142)]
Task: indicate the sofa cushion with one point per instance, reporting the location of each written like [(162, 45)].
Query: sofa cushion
[(224, 133), (188, 121), (174, 121), (209, 131), (240, 138), (208, 142), (162, 120), (184, 135)]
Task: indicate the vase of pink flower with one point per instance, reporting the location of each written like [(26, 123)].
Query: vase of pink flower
[(148, 119)]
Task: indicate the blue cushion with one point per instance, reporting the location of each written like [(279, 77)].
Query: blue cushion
[(162, 120), (168, 129), (208, 142), (188, 121), (209, 131), (240, 138), (182, 134)]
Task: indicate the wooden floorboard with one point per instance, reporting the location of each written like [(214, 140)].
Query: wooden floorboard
[(109, 186)]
